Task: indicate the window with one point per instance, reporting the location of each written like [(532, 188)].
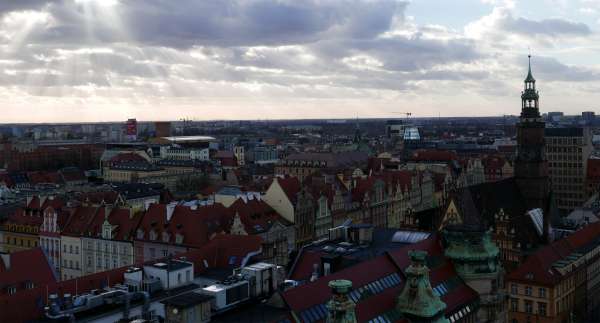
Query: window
[(514, 289), (542, 309), (165, 253), (76, 250), (179, 278), (70, 249), (542, 292), (528, 307), (12, 290), (514, 304), (528, 290), (187, 275)]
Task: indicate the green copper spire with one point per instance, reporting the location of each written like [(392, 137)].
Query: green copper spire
[(417, 300), (341, 308), (529, 75)]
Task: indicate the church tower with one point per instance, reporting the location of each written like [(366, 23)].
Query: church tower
[(531, 165)]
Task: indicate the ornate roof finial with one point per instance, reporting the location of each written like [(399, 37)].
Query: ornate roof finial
[(529, 75)]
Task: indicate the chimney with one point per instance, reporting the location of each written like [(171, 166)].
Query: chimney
[(341, 308), (315, 274)]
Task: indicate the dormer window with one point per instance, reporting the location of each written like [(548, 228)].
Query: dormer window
[(165, 236), (178, 238), (152, 235), (140, 234)]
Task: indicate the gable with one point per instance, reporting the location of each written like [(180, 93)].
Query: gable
[(451, 216)]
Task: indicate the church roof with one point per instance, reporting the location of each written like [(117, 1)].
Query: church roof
[(480, 203), (378, 282)]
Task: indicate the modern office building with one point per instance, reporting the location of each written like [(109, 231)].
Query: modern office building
[(568, 150)]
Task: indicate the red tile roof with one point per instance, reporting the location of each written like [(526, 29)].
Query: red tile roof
[(127, 157), (42, 177), (25, 266), (290, 186), (124, 223), (196, 226), (318, 292), (431, 155), (21, 217), (73, 175), (80, 221), (538, 267), (256, 215), (108, 197)]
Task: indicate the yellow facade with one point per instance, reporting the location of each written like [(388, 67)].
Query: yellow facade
[(17, 237)]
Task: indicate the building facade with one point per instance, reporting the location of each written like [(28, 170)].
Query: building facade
[(568, 150)]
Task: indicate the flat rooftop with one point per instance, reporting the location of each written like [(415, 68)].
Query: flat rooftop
[(190, 138), (187, 300), (171, 265)]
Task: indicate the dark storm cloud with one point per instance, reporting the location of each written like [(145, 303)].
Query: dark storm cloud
[(185, 23)]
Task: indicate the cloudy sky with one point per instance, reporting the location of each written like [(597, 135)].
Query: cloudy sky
[(103, 60)]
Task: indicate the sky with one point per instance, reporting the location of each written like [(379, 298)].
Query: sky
[(110, 60)]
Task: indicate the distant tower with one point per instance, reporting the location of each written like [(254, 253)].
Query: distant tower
[(531, 165), (341, 308)]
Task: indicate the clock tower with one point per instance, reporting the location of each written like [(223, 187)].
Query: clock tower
[(531, 165)]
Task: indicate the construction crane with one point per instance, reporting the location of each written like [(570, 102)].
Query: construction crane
[(407, 114)]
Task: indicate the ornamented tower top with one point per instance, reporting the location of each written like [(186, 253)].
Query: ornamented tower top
[(417, 300), (530, 108), (341, 308)]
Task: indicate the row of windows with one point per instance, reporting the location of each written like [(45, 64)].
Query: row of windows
[(70, 264), (528, 291), (564, 141), (528, 305), (70, 248), (21, 242)]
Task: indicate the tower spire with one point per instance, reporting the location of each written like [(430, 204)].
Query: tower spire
[(529, 78)]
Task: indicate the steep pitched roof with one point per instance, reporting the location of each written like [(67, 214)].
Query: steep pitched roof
[(540, 266), (196, 226), (25, 266), (382, 299), (290, 186), (256, 215), (80, 221), (107, 197), (122, 220)]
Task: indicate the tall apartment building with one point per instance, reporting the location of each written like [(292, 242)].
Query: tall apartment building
[(568, 150)]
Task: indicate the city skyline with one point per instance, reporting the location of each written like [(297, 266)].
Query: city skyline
[(109, 60)]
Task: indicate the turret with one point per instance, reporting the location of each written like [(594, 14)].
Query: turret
[(417, 302), (341, 308)]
